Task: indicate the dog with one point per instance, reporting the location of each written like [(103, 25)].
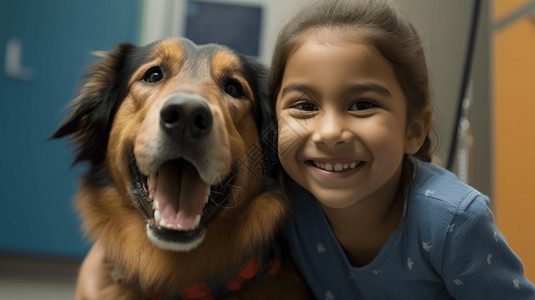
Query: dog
[(176, 136)]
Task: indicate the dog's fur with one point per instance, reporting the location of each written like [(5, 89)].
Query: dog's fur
[(198, 114)]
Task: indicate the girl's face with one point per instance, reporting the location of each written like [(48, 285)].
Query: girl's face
[(342, 123)]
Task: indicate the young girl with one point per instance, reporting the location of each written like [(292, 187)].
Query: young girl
[(373, 219)]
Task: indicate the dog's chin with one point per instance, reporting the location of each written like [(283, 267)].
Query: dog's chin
[(174, 240), (166, 226)]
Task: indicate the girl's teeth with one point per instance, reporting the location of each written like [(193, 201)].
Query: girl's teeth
[(337, 167)]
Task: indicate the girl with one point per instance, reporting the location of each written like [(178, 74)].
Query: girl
[(373, 219)]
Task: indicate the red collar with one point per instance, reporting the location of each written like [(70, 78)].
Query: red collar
[(252, 269)]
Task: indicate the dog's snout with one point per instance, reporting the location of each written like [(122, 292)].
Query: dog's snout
[(186, 117)]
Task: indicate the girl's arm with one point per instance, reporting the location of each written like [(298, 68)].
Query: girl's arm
[(478, 263)]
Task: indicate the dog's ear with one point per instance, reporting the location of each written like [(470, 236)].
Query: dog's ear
[(265, 117), (91, 112), (257, 75)]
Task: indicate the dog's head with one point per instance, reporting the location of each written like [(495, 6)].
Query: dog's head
[(176, 129)]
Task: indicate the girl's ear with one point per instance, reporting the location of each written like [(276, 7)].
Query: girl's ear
[(417, 131)]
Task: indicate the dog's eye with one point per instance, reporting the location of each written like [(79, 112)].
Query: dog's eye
[(153, 75), (233, 88)]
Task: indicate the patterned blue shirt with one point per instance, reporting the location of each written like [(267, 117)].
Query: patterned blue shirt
[(448, 248)]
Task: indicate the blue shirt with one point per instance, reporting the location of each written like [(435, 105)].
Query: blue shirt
[(447, 248)]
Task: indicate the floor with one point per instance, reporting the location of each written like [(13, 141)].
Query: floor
[(30, 278)]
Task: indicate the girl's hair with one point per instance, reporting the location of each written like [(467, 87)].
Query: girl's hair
[(376, 22)]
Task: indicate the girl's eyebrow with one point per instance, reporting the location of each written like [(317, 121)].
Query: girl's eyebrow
[(299, 87), (370, 87), (355, 88)]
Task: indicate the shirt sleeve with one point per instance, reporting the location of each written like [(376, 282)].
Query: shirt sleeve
[(477, 262)]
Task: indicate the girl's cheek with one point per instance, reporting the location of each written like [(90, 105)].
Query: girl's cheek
[(291, 132), (286, 136)]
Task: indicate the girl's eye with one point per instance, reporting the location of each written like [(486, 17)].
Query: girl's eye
[(304, 106), (363, 105), (153, 75), (233, 88)]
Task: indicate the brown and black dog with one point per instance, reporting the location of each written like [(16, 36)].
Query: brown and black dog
[(175, 137)]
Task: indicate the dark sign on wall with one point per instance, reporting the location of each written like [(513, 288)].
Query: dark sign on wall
[(235, 26)]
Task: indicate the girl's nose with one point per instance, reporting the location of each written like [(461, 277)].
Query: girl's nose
[(331, 130)]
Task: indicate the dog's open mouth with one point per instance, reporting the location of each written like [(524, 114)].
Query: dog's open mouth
[(178, 194), (177, 203)]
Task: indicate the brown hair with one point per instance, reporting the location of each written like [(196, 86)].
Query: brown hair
[(378, 23)]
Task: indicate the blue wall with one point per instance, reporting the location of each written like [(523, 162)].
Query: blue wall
[(37, 183)]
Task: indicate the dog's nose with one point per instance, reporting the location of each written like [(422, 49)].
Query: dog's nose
[(186, 117)]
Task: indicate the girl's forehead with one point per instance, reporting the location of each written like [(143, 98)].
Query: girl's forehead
[(337, 35)]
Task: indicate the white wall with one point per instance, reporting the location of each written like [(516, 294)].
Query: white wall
[(445, 26)]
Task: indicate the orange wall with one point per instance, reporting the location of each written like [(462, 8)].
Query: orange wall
[(514, 131)]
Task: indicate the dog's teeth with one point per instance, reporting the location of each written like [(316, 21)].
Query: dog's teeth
[(206, 194), (149, 182), (150, 185), (157, 215), (152, 182), (197, 221)]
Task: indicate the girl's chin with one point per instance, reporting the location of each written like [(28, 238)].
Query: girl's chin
[(335, 199)]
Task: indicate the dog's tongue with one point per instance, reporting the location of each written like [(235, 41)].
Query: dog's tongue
[(180, 194)]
